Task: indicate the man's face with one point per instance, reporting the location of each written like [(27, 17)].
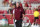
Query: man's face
[(17, 4), (13, 6)]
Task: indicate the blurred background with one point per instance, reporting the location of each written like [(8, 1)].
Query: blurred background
[(28, 5)]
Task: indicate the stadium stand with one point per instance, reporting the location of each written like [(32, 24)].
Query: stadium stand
[(29, 14), (1, 16), (3, 11), (29, 11)]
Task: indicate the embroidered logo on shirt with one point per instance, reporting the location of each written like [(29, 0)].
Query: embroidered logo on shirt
[(16, 9)]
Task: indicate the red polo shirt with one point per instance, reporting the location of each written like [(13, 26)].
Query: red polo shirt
[(18, 13), (26, 5), (20, 4)]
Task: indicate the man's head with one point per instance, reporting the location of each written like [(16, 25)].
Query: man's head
[(13, 5), (17, 4)]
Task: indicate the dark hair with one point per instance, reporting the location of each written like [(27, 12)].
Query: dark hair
[(13, 4), (36, 9)]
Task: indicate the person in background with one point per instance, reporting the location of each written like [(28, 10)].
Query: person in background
[(26, 5), (10, 9), (13, 13), (36, 16), (5, 2), (10, 4), (20, 4), (19, 15)]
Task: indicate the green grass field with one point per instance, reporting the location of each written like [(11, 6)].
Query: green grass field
[(9, 26), (6, 26)]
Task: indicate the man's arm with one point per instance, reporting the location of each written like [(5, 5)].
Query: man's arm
[(23, 13), (11, 16), (23, 16)]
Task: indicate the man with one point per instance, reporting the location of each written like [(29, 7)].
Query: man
[(26, 5), (13, 12), (20, 4), (19, 12), (36, 16)]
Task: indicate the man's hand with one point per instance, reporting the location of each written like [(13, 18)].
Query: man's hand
[(23, 16)]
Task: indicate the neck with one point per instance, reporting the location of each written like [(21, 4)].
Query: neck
[(18, 7)]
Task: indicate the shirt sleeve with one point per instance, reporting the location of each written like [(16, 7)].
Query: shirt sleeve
[(12, 11)]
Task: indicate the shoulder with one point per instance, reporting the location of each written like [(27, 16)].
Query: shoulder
[(21, 8)]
